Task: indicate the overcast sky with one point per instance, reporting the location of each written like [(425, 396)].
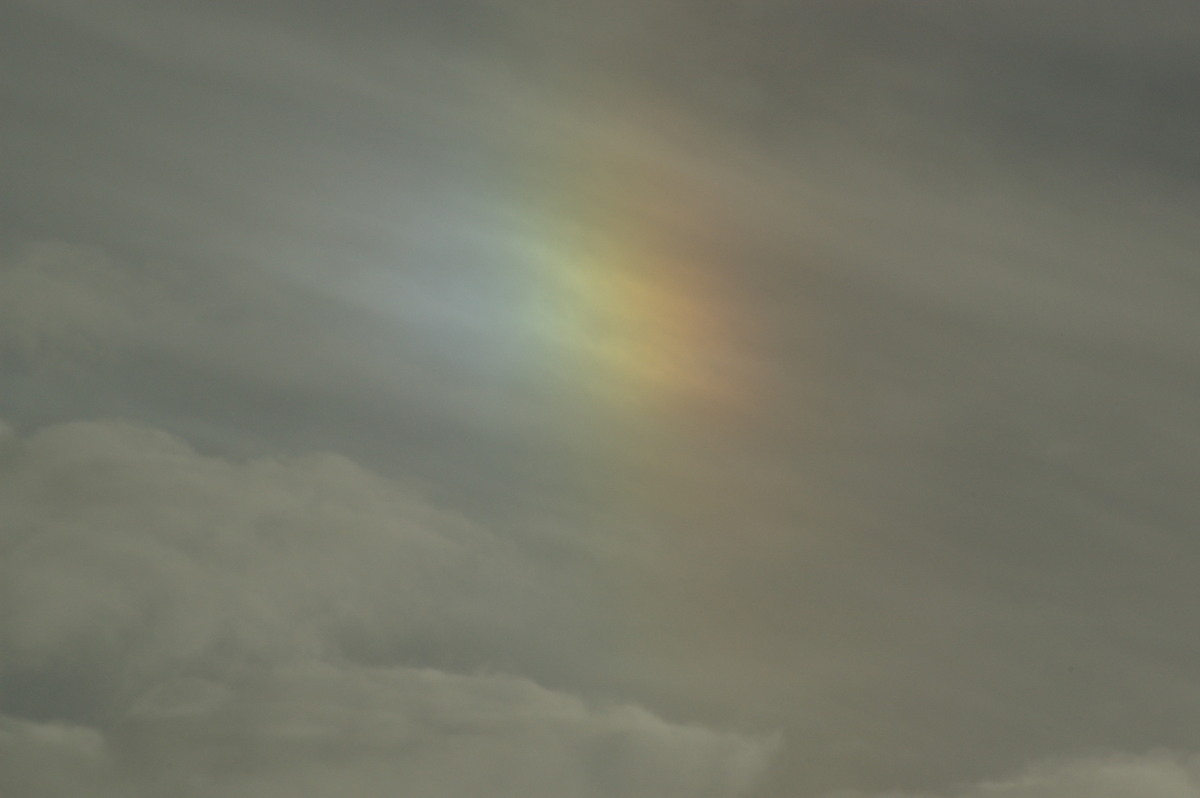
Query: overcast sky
[(600, 399)]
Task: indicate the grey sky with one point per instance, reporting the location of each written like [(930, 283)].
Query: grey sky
[(310, 483)]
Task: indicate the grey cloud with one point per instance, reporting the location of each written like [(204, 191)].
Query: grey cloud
[(316, 729), (430, 733), (174, 622), (954, 538), (128, 556), (49, 760), (64, 302), (194, 340), (1153, 775)]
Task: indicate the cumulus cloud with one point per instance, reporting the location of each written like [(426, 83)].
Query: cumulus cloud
[(172, 622)]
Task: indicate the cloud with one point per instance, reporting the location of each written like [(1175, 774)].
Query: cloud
[(955, 539), (315, 729), (62, 302), (126, 547), (56, 297), (219, 344), (1154, 775), (51, 760), (172, 622)]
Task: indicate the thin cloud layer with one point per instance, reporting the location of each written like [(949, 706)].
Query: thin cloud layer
[(942, 253)]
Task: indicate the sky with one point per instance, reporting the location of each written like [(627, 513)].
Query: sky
[(608, 399)]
